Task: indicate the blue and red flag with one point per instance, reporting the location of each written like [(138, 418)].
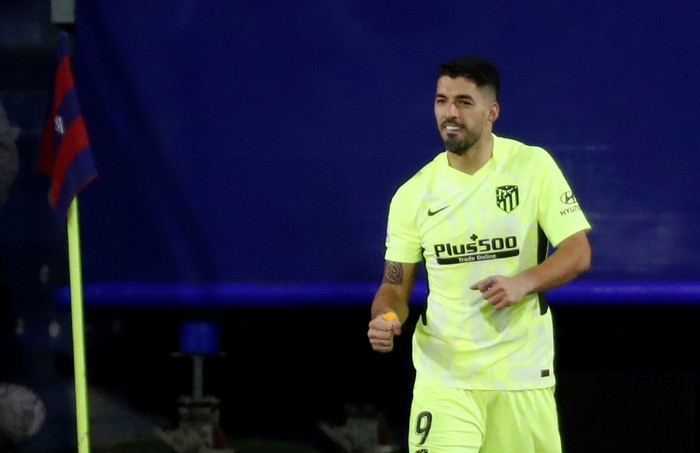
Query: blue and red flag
[(65, 154)]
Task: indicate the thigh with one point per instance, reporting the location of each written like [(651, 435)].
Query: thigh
[(522, 421), (445, 420)]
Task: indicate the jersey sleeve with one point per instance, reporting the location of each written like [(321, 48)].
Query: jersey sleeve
[(559, 212), (402, 239)]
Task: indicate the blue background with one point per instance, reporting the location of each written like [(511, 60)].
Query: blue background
[(261, 141)]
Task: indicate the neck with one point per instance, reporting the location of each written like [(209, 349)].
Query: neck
[(474, 158)]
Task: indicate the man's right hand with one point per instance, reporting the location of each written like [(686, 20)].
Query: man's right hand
[(381, 333)]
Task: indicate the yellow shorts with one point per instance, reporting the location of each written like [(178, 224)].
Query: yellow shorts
[(447, 420)]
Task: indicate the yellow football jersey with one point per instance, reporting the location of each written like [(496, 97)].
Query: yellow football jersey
[(466, 227)]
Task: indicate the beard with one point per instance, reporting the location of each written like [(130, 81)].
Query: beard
[(459, 146), (461, 141)]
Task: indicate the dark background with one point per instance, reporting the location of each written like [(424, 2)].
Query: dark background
[(260, 143)]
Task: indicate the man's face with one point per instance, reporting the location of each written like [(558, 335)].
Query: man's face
[(463, 112)]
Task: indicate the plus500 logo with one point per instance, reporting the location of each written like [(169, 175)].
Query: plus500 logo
[(477, 246)]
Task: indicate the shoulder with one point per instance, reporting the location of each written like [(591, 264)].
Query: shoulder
[(516, 149), (421, 178), (521, 156)]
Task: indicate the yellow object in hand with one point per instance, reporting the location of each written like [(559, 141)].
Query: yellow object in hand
[(388, 317)]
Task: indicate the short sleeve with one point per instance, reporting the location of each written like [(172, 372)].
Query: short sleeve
[(402, 239), (559, 212)]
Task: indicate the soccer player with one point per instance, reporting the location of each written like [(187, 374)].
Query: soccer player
[(481, 216)]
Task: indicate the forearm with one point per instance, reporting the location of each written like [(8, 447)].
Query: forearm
[(571, 259), (390, 298), (395, 290)]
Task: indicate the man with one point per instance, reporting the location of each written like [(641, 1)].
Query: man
[(480, 215)]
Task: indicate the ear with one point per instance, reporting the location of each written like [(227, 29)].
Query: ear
[(492, 114)]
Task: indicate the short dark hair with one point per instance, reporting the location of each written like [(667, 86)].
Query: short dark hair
[(477, 69)]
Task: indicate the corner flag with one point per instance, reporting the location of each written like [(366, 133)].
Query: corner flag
[(65, 154)]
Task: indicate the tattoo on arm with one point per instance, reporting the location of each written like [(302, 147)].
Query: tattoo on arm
[(393, 273)]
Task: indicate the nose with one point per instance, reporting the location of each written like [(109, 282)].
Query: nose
[(452, 110)]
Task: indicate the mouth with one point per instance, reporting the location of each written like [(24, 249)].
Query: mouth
[(451, 127)]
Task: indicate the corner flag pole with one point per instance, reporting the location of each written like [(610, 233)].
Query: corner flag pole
[(66, 157), (76, 291)]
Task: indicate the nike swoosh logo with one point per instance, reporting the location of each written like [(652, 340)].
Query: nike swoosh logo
[(431, 213)]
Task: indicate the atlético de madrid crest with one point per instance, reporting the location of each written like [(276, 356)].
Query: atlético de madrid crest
[(507, 197)]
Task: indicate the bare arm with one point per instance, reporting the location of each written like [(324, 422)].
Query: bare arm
[(392, 296), (571, 258)]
